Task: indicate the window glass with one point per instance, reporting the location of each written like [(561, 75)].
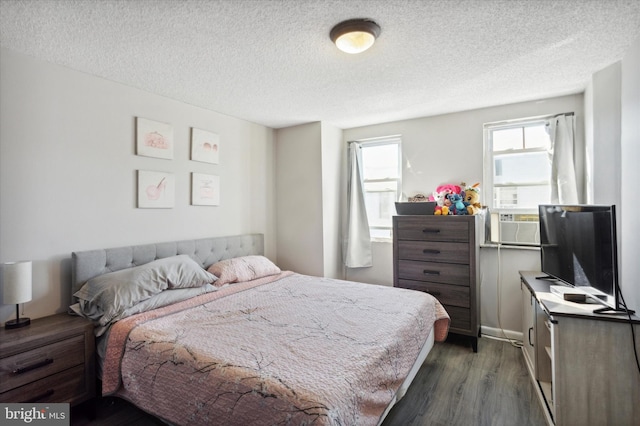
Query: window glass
[(523, 167), (536, 137), (381, 170), (505, 139), (380, 207), (520, 197), (380, 161)]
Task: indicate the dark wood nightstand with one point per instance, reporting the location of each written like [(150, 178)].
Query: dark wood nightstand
[(51, 360)]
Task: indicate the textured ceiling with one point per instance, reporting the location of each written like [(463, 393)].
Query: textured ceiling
[(271, 61)]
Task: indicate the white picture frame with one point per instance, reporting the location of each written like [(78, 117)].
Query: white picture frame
[(156, 190), (205, 146), (154, 139), (205, 189)]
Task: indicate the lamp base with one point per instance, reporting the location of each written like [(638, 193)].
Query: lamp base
[(17, 323)]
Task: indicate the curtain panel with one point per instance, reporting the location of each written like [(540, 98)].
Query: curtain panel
[(357, 244), (564, 189)]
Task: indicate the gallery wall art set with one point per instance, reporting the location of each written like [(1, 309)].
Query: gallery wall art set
[(156, 189)]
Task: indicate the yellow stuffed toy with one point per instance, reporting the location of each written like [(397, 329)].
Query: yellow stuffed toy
[(471, 199)]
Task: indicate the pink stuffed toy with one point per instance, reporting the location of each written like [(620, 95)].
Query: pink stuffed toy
[(442, 191)]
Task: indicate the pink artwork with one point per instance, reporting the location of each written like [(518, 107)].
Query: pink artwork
[(154, 139), (205, 146), (155, 189), (205, 190), (154, 192)]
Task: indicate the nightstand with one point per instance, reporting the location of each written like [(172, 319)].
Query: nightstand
[(51, 360)]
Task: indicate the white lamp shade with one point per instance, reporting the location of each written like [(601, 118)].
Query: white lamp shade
[(16, 282), (355, 42)]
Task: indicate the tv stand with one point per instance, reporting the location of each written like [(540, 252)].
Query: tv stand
[(581, 362)]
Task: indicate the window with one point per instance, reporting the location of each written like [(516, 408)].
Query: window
[(518, 169), (382, 179), (517, 178)]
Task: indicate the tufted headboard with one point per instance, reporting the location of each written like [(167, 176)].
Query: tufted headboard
[(206, 251)]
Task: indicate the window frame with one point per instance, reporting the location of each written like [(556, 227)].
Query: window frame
[(489, 156), (374, 142)]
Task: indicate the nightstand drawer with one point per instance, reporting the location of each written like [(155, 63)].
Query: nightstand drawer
[(60, 387), (434, 251), (29, 366), (455, 295), (432, 229), (447, 273)]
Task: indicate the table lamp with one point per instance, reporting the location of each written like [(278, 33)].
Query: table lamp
[(17, 289)]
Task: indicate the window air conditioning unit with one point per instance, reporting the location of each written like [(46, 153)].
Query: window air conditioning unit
[(515, 228)]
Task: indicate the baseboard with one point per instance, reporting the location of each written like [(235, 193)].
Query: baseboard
[(501, 334)]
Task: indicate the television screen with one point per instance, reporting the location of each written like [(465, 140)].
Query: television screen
[(578, 247)]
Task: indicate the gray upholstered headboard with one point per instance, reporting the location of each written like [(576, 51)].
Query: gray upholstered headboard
[(206, 251)]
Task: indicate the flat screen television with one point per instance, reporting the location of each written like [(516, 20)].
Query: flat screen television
[(578, 247)]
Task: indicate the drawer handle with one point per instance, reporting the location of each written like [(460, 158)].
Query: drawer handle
[(41, 396), (433, 292), (431, 251), (431, 230), (22, 370), (428, 272)]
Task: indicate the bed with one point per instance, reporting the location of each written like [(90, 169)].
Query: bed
[(254, 344)]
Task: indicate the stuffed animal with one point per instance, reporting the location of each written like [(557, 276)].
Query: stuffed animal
[(443, 190), (438, 197), (471, 199), (457, 206)]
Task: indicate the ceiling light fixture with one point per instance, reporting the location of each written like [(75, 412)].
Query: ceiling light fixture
[(355, 35)]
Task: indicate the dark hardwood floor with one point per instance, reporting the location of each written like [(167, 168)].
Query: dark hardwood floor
[(455, 386), (458, 387)]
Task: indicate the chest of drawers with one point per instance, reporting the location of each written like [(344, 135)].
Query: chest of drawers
[(439, 255), (51, 360)]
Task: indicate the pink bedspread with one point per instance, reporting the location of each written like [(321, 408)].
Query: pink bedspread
[(289, 349)]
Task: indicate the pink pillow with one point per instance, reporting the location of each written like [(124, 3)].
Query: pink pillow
[(240, 269)]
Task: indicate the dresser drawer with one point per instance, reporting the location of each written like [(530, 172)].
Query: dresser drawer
[(432, 229), (434, 251), (60, 387), (447, 273), (454, 295), (460, 319), (29, 366)]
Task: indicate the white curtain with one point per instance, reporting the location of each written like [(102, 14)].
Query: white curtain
[(357, 245), (564, 189)]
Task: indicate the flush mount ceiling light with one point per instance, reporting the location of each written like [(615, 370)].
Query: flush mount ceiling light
[(355, 35)]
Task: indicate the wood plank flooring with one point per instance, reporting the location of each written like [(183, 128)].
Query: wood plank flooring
[(458, 387), (455, 386)]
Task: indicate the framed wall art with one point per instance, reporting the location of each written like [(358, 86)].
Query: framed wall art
[(154, 139), (156, 190), (205, 190), (205, 146)]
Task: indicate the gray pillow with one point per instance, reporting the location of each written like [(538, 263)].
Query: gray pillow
[(106, 296)]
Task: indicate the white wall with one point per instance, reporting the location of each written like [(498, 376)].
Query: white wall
[(299, 209), (68, 173), (612, 111), (604, 142), (332, 182), (309, 180), (449, 149), (629, 225)]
